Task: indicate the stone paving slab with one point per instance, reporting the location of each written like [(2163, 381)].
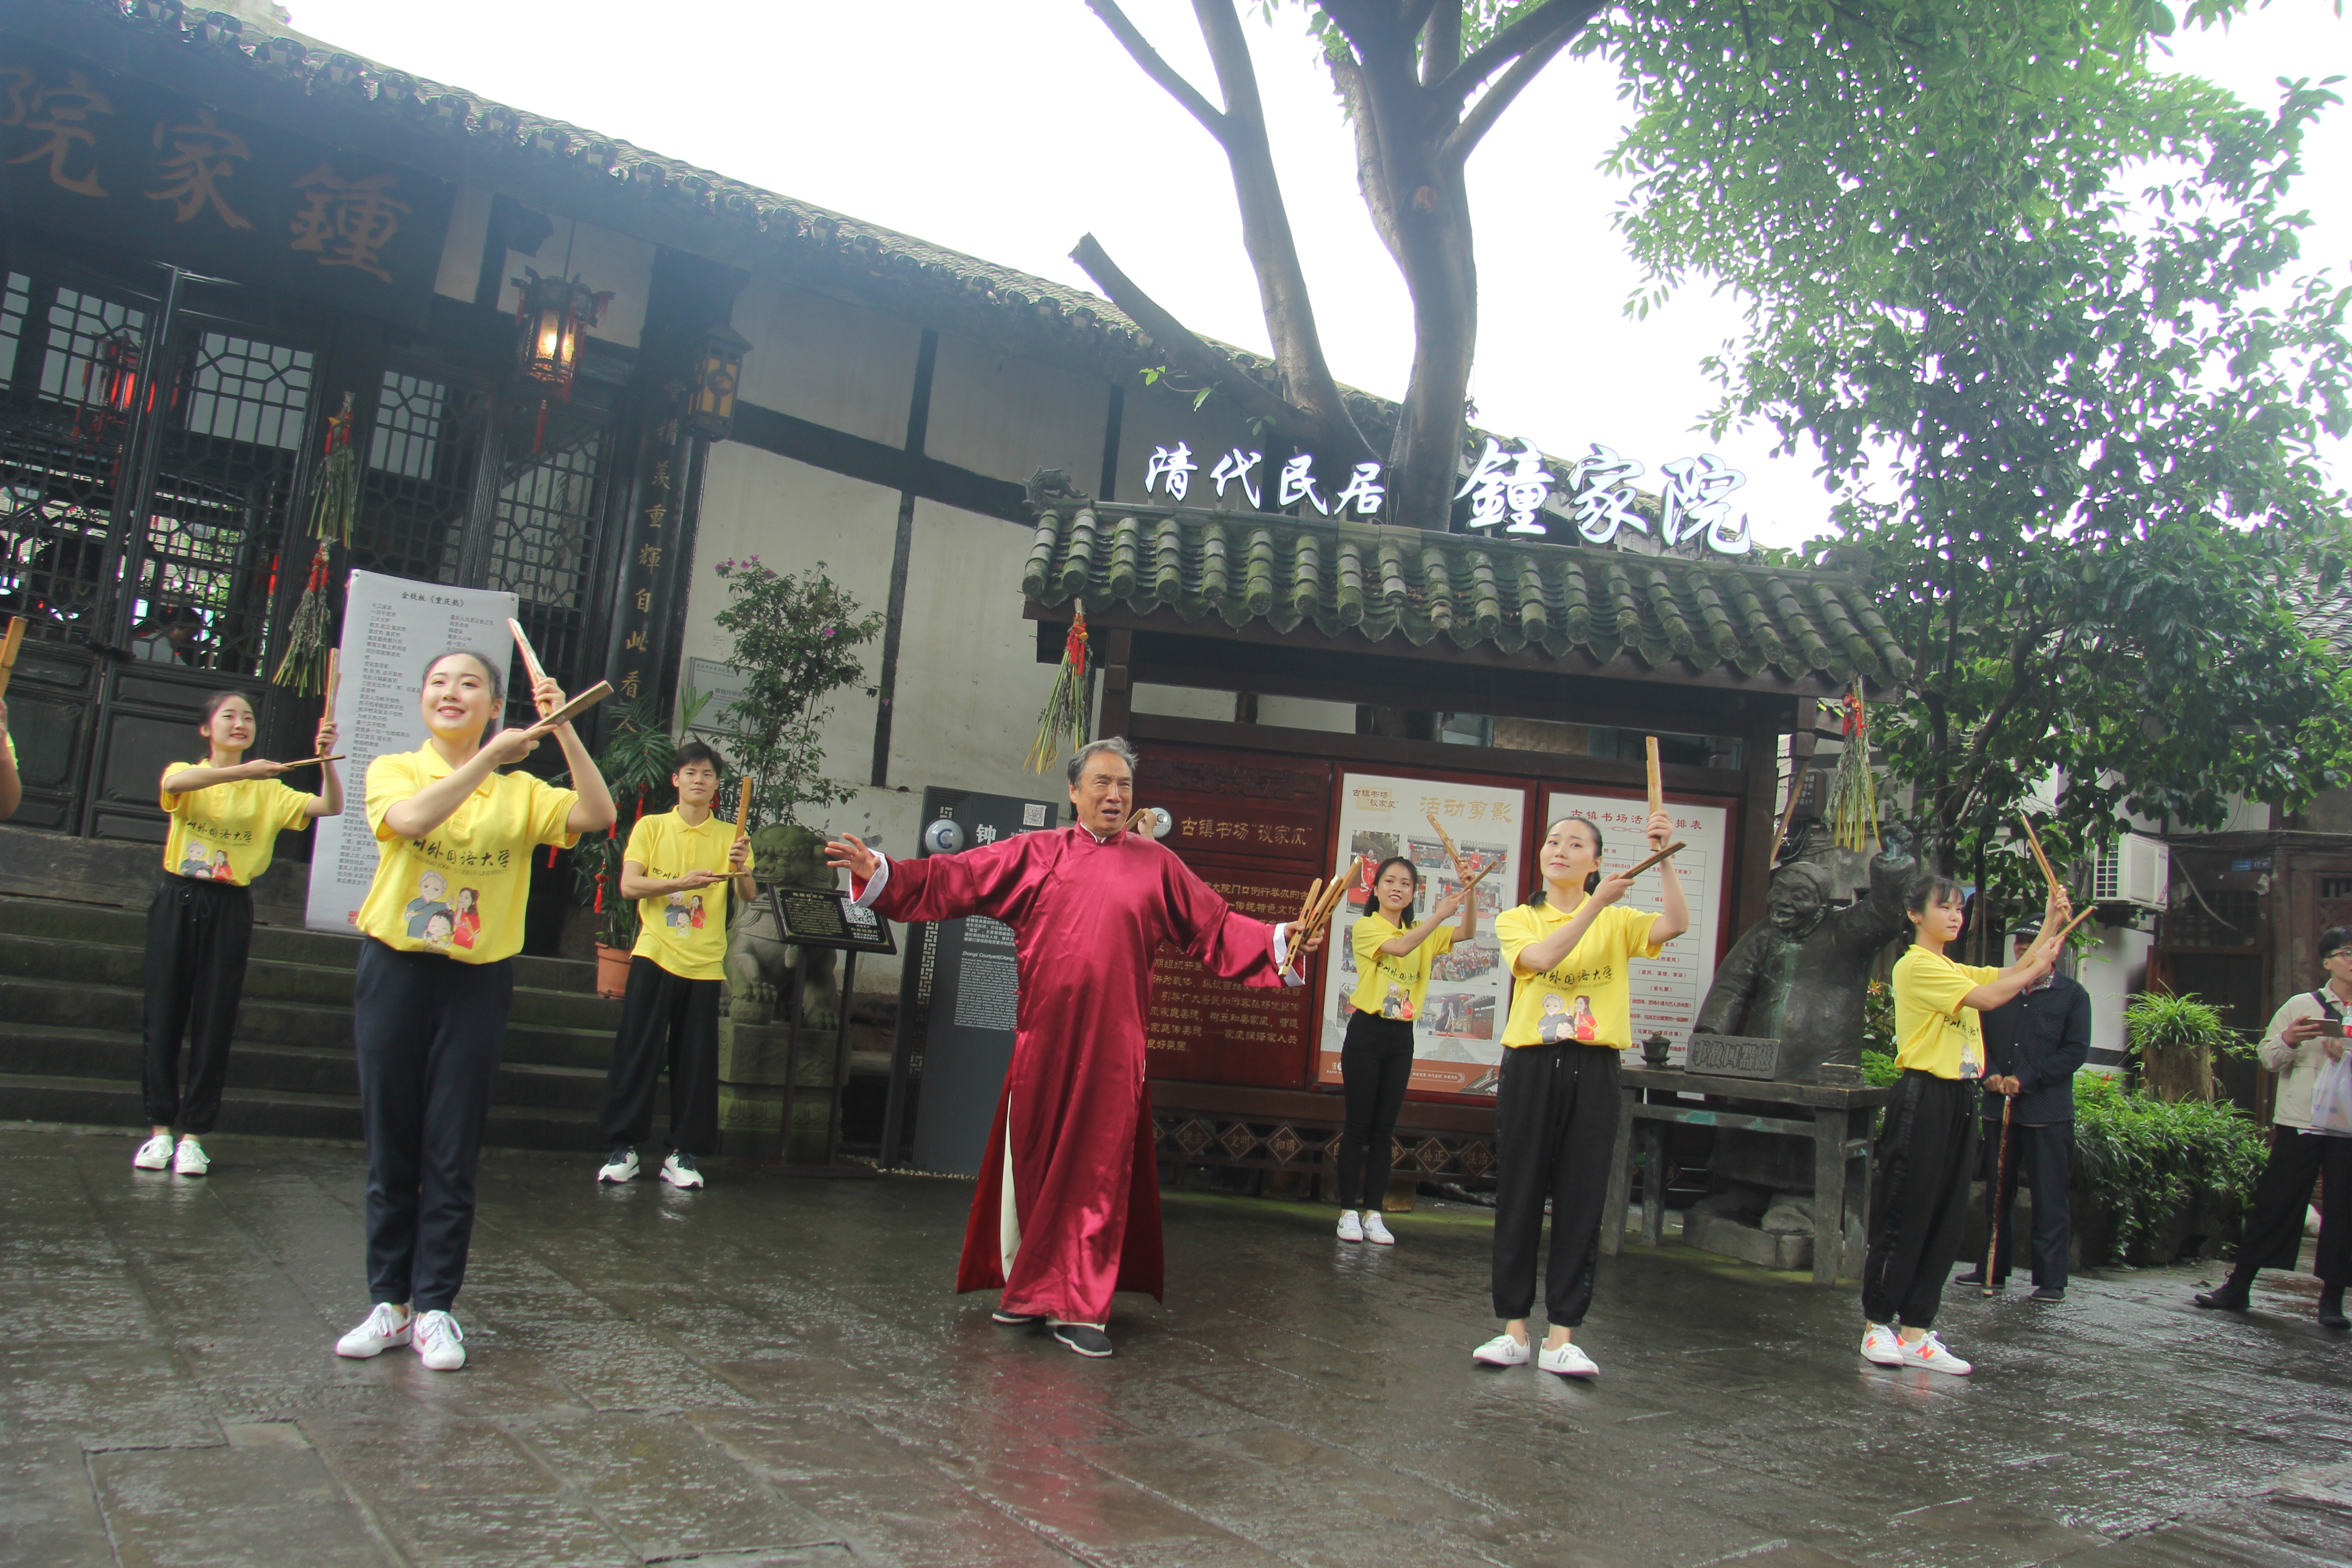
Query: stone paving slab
[(776, 1372)]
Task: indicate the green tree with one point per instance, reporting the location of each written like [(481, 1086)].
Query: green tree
[(2074, 434), (795, 641)]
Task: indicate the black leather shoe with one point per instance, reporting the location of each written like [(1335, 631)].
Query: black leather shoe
[(1975, 1278), (2224, 1298), (2047, 1293), (2331, 1311)]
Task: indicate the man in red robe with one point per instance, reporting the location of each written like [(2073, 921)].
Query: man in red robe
[(1068, 1207)]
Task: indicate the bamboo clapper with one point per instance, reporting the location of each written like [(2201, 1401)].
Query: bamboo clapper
[(8, 647)]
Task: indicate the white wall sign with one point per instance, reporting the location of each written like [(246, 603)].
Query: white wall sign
[(1458, 1039), (1668, 989), (390, 627)]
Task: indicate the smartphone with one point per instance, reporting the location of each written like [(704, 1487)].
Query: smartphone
[(2331, 1028)]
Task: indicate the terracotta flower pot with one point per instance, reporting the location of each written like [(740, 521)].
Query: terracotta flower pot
[(612, 971)]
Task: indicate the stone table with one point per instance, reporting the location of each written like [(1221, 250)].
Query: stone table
[(1839, 1125)]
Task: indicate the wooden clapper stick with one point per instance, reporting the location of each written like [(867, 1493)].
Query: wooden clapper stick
[(1320, 914), (743, 808), (1461, 873), (1657, 783), (8, 647), (2034, 841), (531, 667)]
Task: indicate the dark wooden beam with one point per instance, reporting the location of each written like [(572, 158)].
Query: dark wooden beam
[(1115, 712), (837, 451)]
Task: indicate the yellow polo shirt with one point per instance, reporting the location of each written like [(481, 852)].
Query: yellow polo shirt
[(1934, 1031), (460, 891), (1388, 987), (686, 933), (1586, 998), (228, 832)]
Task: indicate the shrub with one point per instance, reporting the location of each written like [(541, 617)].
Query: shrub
[(2151, 1163), (2174, 1040)]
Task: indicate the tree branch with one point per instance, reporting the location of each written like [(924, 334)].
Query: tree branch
[(1555, 16), (1185, 351), (1157, 69), (1465, 137), (1372, 163), (1441, 43)]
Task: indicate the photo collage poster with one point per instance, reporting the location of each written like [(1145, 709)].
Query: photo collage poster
[(1667, 989), (1457, 1038)]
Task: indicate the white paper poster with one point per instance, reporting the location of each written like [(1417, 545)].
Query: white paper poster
[(1457, 1038), (1667, 989), (390, 627)]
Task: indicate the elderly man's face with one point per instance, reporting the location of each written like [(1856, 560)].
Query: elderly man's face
[(1794, 904)]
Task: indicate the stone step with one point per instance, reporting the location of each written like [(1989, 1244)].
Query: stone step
[(35, 1050), (109, 965), (99, 924), (262, 1020), (107, 1103)]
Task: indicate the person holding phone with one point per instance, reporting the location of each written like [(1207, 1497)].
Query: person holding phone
[(2304, 1040)]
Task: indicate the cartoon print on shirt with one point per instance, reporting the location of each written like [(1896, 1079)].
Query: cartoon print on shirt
[(468, 924), (432, 898), (439, 926), (220, 870), (196, 862)]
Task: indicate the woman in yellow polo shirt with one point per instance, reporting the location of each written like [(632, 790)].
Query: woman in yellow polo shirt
[(428, 1012), (1392, 963), (225, 816), (1570, 950)]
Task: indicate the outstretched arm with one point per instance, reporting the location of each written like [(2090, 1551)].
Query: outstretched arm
[(995, 880)]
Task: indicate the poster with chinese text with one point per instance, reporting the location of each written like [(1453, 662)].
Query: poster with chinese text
[(1457, 1037), (1667, 990)]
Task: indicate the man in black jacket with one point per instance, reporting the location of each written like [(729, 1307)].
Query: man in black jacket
[(2035, 1045)]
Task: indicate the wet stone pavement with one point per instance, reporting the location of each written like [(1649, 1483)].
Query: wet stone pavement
[(776, 1372)]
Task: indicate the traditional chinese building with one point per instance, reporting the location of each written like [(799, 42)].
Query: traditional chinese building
[(585, 373)]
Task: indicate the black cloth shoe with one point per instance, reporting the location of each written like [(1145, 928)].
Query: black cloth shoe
[(2229, 1296), (1083, 1338), (1018, 1320), (1976, 1276), (2048, 1293), (2331, 1309)]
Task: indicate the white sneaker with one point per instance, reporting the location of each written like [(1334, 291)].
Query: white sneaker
[(1882, 1345), (155, 1155), (440, 1342), (681, 1171), (1350, 1228), (1930, 1353), (1502, 1351), (386, 1328), (1376, 1231), (189, 1159), (620, 1165), (1567, 1360)]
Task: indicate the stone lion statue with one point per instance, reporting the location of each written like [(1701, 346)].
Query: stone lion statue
[(758, 960)]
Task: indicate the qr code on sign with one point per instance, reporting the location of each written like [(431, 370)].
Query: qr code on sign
[(1033, 814)]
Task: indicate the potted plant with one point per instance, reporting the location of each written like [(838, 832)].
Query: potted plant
[(636, 762), (2173, 1040), (795, 641)]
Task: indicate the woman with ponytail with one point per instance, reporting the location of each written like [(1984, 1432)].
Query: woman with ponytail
[(1570, 947)]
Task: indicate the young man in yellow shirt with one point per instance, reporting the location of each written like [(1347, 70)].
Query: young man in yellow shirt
[(676, 970), (1928, 1144)]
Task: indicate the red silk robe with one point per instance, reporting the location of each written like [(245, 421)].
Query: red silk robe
[(1068, 1207)]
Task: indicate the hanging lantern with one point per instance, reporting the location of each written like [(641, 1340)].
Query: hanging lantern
[(109, 388), (554, 313), (718, 369)]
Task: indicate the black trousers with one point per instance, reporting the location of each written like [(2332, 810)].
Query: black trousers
[(664, 1017), (430, 1032), (1920, 1197), (2044, 1157), (1555, 1128), (2273, 1233), (197, 937), (1375, 1063)]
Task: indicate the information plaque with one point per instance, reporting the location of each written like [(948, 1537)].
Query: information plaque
[(825, 917), (1734, 1056)]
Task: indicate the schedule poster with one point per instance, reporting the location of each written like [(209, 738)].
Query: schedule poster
[(1458, 1037), (391, 627), (1667, 989)]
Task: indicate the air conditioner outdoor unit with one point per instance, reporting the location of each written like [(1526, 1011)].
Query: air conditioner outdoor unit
[(2137, 870)]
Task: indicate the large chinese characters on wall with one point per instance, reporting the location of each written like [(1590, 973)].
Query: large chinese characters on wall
[(90, 153), (1457, 1030)]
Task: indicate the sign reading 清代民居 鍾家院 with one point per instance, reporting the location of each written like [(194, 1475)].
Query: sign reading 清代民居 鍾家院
[(86, 152), (1505, 490)]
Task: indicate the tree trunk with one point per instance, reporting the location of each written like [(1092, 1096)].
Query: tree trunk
[(2173, 1073)]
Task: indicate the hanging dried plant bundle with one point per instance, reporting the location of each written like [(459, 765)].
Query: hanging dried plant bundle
[(1854, 788), (310, 633), (1067, 711), (334, 505)]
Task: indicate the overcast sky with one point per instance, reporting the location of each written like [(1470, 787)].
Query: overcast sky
[(1009, 129)]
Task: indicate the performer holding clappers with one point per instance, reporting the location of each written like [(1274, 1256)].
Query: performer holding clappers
[(1556, 1108), (1068, 1207), (1928, 1143), (1392, 965), (226, 814), (676, 973), (430, 1013)]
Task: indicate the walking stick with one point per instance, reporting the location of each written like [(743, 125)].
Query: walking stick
[(1993, 1205)]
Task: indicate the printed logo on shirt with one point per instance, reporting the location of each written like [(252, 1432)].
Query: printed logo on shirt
[(1564, 1020)]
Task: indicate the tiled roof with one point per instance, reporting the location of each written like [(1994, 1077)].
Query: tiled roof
[(1811, 627), (2325, 615)]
